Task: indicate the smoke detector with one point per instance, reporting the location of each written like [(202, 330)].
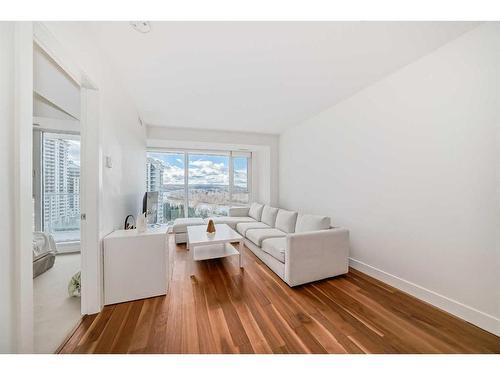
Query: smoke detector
[(141, 26)]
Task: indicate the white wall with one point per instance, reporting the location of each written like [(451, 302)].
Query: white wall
[(51, 83), (123, 137), (264, 149), (6, 185), (410, 166)]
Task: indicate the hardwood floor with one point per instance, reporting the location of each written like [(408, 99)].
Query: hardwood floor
[(222, 310)]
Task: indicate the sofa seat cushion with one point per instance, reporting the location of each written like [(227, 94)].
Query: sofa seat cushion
[(307, 223), (232, 221), (242, 228), (259, 235), (275, 247), (255, 211), (269, 215), (181, 224), (286, 220)]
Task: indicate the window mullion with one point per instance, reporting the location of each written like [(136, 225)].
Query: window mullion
[(186, 180), (231, 177), (249, 180)]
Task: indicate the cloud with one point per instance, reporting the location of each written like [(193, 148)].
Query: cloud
[(173, 174), (208, 172), (240, 177), (202, 172)]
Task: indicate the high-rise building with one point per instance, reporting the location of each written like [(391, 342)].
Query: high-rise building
[(73, 188), (61, 181), (55, 163), (154, 176)]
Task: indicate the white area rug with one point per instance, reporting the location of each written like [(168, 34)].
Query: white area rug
[(55, 313)]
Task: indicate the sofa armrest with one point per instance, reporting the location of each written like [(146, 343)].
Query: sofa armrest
[(238, 211), (311, 256)]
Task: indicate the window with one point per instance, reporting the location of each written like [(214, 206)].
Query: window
[(197, 184), (208, 185), (57, 185), (165, 174), (240, 192)]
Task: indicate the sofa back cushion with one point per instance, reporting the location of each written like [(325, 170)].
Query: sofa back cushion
[(306, 223), (286, 220), (255, 211), (269, 215)]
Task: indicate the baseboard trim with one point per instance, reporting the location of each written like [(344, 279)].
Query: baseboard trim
[(483, 320)]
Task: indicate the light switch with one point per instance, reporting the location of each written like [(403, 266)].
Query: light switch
[(109, 162)]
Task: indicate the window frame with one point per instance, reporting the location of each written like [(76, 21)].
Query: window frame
[(231, 154), (39, 184), (231, 176)]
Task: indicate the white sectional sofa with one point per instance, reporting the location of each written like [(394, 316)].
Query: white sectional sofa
[(180, 227), (299, 248)]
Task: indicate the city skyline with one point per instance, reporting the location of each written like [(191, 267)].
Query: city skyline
[(202, 169), (209, 193), (61, 186)]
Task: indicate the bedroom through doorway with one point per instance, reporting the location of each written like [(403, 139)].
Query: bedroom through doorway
[(56, 203)]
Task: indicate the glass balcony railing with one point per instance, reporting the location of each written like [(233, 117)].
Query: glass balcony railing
[(61, 216)]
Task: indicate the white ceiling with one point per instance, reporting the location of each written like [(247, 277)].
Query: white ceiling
[(259, 76)]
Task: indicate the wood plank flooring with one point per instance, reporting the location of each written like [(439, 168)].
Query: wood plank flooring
[(221, 309)]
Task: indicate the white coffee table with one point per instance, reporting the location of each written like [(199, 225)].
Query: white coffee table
[(203, 246)]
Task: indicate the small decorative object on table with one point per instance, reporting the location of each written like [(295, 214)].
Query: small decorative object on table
[(129, 222), (141, 223), (211, 228)]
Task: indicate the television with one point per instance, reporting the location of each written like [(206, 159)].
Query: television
[(150, 206)]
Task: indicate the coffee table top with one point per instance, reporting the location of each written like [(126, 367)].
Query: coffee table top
[(197, 235)]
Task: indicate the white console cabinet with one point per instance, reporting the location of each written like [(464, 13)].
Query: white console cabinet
[(136, 265)]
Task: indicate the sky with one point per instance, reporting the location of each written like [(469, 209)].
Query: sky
[(74, 151), (203, 169)]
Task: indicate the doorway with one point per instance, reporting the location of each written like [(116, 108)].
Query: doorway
[(56, 206), (56, 203), (28, 36)]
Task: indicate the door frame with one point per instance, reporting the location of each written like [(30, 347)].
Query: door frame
[(22, 298), (26, 34)]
